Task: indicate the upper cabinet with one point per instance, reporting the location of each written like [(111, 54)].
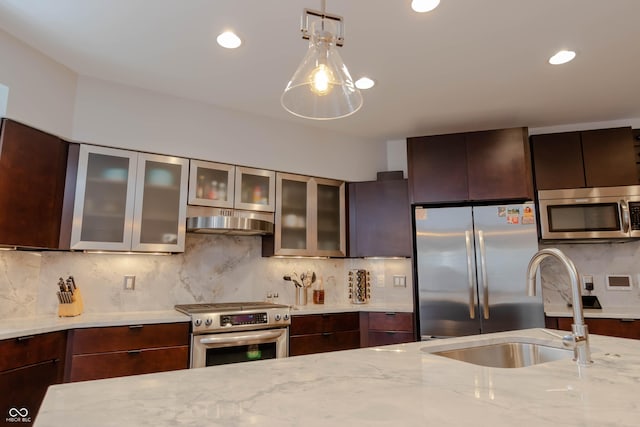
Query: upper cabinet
[(33, 167), (596, 158), (476, 166), (310, 217), (380, 218), (221, 185), (128, 201)]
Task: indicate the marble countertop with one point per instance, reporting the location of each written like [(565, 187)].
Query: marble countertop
[(379, 386), (22, 326), (605, 312)]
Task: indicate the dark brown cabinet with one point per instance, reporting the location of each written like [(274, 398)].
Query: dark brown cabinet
[(28, 366), (622, 328), (319, 333), (116, 351), (476, 166), (596, 158), (386, 328), (33, 167), (379, 218)]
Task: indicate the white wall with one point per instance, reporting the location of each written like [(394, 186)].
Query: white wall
[(122, 116), (41, 91)]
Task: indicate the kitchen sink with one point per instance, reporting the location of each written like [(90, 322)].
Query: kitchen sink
[(505, 355)]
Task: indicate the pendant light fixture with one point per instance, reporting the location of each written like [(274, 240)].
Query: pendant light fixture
[(321, 88)]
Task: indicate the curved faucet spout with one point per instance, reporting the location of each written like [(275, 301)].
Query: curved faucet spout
[(580, 333)]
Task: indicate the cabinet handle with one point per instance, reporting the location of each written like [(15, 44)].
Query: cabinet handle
[(136, 326), (628, 320), (390, 332), (327, 334), (134, 352), (390, 314), (27, 338)]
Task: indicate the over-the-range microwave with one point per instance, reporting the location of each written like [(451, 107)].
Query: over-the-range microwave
[(584, 214)]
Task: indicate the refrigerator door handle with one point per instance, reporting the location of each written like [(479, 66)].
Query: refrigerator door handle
[(472, 288), (483, 268)]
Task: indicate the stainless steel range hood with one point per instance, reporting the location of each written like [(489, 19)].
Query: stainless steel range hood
[(228, 221)]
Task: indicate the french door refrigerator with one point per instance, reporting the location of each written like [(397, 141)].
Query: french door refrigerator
[(470, 267)]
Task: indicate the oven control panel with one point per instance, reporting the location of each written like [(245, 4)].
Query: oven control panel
[(243, 319), (240, 320)]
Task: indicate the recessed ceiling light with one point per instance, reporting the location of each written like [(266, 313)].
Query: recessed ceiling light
[(562, 57), (229, 40), (365, 83), (424, 5)]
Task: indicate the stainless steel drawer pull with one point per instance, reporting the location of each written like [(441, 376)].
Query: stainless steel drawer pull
[(27, 338), (136, 326), (134, 352)]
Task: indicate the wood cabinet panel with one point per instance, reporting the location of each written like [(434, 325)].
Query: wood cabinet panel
[(387, 328), (133, 362), (608, 155), (389, 337), (318, 323), (324, 342), (391, 321), (32, 349), (437, 168), (622, 328), (134, 337), (379, 219), (32, 179), (557, 161)]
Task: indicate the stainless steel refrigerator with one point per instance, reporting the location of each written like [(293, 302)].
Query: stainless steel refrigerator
[(471, 265)]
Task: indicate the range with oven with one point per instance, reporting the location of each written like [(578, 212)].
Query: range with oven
[(235, 332)]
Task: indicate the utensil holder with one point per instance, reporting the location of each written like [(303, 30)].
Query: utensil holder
[(74, 308), (301, 295)]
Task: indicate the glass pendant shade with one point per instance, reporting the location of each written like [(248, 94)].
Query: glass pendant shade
[(321, 88)]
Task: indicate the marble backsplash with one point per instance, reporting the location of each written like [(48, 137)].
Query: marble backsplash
[(596, 260), (213, 268)]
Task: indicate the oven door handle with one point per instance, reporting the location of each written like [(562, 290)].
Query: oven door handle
[(236, 339)]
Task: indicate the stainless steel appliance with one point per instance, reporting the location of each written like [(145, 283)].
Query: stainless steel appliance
[(471, 265), (606, 213), (225, 333)]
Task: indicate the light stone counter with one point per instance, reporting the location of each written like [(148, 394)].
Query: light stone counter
[(23, 326), (396, 385), (344, 308)]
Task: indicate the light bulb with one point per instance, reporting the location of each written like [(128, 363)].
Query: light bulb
[(320, 80)]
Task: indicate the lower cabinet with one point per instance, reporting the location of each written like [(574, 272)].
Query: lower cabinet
[(622, 328), (386, 328), (116, 351), (28, 366), (319, 333)]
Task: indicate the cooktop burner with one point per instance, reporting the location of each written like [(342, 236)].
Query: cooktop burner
[(218, 307)]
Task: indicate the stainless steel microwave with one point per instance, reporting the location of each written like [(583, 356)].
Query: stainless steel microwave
[(606, 213)]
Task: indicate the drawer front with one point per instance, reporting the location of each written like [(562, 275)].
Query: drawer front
[(29, 350), (391, 322), (319, 323), (389, 337), (122, 363), (321, 343), (611, 327), (134, 337)]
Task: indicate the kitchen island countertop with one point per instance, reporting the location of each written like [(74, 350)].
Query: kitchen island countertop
[(378, 386)]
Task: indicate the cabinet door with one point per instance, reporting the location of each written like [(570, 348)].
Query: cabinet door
[(211, 184), (499, 165), (609, 157), (255, 189), (32, 180), (161, 204), (557, 161), (329, 237), (379, 219), (104, 200), (437, 167), (292, 235)]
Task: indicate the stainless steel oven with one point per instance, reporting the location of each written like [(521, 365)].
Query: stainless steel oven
[(226, 333), (588, 214)]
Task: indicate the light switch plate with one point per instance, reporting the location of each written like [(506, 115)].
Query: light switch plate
[(129, 282), (399, 281)]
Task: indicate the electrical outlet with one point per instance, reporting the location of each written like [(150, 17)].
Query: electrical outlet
[(587, 282), (399, 281), (129, 282)]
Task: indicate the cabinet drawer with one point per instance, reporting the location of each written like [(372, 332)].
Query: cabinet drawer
[(321, 343), (389, 337), (121, 363), (122, 338), (29, 350), (611, 327), (319, 323), (391, 322)]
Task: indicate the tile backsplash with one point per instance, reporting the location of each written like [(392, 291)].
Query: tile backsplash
[(213, 268)]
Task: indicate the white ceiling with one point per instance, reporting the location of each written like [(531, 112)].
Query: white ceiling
[(470, 64)]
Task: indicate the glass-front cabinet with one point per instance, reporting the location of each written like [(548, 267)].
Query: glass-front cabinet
[(255, 189), (310, 216), (129, 201)]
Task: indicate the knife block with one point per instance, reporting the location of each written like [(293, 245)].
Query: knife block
[(74, 308)]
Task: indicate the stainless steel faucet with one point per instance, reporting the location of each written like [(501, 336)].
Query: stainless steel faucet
[(579, 338)]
